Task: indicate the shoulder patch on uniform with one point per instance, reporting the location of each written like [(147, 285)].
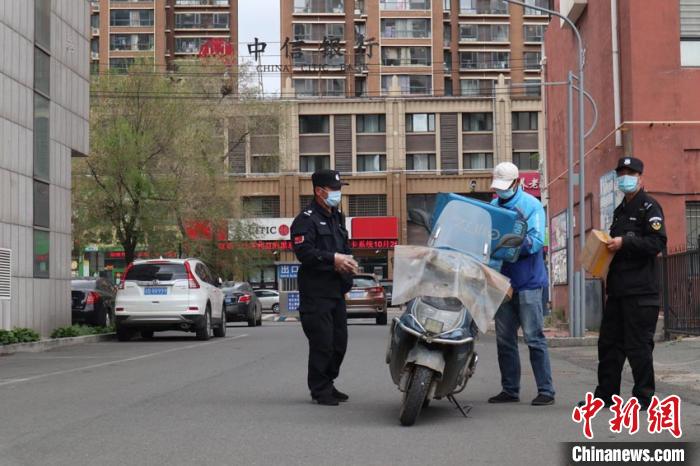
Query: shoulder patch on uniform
[(656, 219), (298, 239), (656, 223)]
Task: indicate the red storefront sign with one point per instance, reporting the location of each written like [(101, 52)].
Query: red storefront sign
[(375, 228), (530, 181)]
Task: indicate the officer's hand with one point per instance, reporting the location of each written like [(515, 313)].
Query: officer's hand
[(345, 264), (615, 244)]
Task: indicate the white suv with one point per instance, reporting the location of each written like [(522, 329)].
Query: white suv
[(169, 294)]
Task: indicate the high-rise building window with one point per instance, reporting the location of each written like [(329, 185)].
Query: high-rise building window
[(412, 84), (527, 160), (479, 121), (316, 32), (690, 32), (202, 20), (409, 28), (311, 163), (540, 3), (420, 122), (402, 5), (319, 6), (533, 32), (477, 161), (120, 65), (533, 87), (371, 162), (131, 18), (314, 124), (477, 87), (41, 137), (261, 206), (406, 56), (483, 7), (136, 42), (524, 121), (42, 71), (421, 162), (41, 205), (42, 241), (367, 205), (371, 123), (484, 60), (532, 60), (483, 32), (42, 23)]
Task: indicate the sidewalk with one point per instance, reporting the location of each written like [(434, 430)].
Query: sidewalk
[(676, 366)]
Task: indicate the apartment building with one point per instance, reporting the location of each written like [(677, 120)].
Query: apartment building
[(396, 153), (44, 111), (160, 30), (434, 47)]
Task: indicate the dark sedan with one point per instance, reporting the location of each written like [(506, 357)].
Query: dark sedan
[(241, 303), (92, 301)]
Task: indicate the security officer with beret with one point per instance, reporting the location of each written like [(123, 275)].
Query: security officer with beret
[(632, 308), (320, 242)]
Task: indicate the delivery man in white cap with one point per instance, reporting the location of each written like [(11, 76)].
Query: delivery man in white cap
[(528, 277)]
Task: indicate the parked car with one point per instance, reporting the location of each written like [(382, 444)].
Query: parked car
[(169, 294), (92, 301), (388, 286), (241, 303), (270, 299), (366, 299)]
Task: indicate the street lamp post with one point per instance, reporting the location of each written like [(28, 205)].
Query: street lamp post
[(576, 281)]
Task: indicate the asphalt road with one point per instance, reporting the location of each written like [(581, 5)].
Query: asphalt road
[(243, 401)]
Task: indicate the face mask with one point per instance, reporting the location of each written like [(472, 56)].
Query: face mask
[(627, 183), (333, 199), (505, 193)]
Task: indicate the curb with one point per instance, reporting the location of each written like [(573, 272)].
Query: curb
[(45, 345)]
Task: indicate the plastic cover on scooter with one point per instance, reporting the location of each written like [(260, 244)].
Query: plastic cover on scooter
[(443, 273)]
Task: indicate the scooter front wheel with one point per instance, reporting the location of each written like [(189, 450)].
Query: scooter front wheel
[(415, 395)]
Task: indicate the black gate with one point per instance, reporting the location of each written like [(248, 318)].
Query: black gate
[(681, 293)]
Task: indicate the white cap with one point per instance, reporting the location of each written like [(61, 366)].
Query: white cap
[(503, 175)]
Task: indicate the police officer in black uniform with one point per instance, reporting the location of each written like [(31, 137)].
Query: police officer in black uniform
[(320, 242), (632, 309)]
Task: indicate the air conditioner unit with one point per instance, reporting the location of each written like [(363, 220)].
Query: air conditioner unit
[(95, 31), (95, 55)]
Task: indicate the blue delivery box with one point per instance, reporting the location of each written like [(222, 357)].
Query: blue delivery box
[(506, 224)]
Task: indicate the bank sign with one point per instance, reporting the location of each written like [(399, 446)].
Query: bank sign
[(266, 229)]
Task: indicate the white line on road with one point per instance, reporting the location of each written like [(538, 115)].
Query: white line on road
[(109, 363)]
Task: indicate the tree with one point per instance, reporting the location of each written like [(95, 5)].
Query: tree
[(157, 161)]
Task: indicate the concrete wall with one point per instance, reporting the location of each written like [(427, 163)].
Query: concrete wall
[(42, 304)]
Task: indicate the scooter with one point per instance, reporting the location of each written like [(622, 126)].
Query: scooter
[(451, 293)]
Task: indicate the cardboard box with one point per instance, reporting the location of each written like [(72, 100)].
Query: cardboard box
[(596, 256)]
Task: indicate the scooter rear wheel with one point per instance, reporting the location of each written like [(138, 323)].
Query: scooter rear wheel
[(416, 395)]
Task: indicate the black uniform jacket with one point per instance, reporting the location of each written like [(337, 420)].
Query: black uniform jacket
[(316, 236), (634, 269)]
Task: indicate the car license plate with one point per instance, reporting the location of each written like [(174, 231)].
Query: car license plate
[(357, 294), (155, 291)]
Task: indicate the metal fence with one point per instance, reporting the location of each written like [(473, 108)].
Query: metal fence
[(681, 293)]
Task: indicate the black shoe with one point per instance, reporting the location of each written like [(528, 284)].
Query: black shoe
[(340, 396), (503, 397), (327, 400), (543, 400)]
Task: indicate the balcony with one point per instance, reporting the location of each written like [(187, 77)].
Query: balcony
[(483, 7), (404, 5), (335, 7), (211, 3)]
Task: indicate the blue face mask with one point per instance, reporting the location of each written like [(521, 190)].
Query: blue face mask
[(505, 193), (333, 199), (627, 183)]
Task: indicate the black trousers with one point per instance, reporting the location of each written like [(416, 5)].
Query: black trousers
[(627, 332), (325, 324)]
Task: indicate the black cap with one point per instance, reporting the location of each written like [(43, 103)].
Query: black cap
[(630, 163), (327, 179)]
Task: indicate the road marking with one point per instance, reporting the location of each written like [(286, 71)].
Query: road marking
[(110, 363)]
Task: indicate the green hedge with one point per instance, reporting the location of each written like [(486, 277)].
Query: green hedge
[(79, 331), (18, 335)]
